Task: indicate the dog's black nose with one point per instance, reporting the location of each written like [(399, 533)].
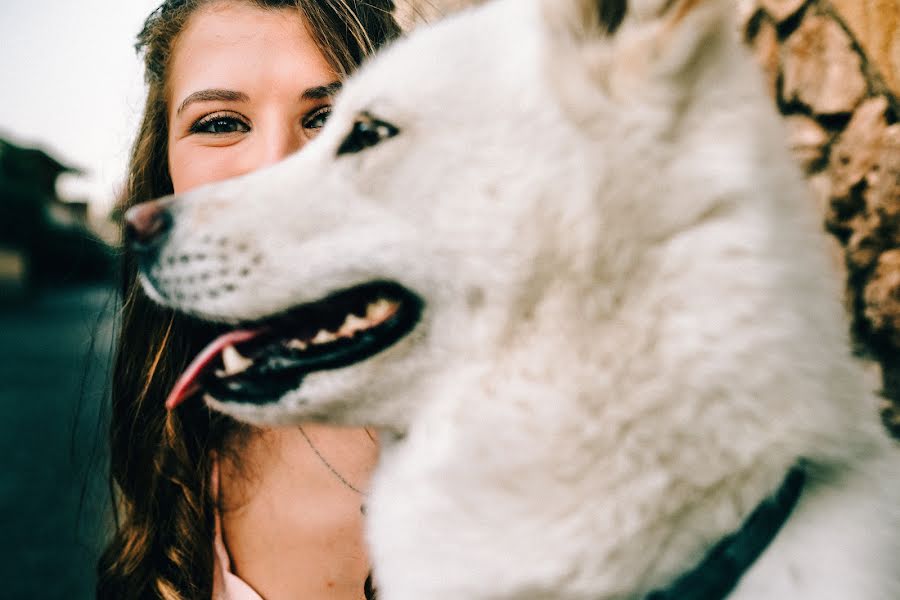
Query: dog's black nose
[(146, 224)]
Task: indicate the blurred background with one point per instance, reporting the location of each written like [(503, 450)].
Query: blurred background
[(72, 94)]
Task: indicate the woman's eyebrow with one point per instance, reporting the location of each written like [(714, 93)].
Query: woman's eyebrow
[(213, 95), (321, 92)]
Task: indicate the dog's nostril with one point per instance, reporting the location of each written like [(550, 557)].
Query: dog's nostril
[(146, 223)]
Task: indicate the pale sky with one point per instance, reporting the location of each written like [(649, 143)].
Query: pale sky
[(72, 84)]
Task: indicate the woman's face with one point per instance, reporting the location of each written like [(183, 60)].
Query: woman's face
[(247, 86)]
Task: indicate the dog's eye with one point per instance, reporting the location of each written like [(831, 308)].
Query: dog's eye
[(367, 132)]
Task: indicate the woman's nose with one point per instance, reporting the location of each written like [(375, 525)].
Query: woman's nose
[(276, 145)]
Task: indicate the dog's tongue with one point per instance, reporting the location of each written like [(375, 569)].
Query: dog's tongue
[(187, 385)]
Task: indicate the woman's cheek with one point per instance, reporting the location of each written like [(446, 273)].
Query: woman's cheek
[(192, 165)]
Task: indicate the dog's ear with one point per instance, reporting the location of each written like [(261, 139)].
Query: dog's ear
[(605, 49)]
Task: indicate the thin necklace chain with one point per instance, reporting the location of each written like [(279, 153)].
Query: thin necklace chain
[(327, 464), (369, 591)]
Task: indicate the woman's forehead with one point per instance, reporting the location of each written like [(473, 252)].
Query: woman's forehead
[(235, 45)]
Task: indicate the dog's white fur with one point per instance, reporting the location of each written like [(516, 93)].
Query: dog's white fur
[(631, 328)]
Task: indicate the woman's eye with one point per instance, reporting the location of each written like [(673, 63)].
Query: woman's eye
[(317, 120), (219, 125)]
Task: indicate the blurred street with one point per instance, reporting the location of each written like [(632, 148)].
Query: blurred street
[(54, 352)]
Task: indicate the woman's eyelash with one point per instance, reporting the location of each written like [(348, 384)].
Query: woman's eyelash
[(316, 120), (224, 122)]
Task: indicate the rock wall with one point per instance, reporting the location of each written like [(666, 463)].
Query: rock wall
[(834, 71), (833, 67)]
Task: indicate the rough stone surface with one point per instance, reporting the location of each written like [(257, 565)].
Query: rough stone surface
[(746, 9), (821, 69), (858, 149), (882, 297), (865, 243), (876, 26), (807, 140), (768, 53), (883, 192), (782, 9)]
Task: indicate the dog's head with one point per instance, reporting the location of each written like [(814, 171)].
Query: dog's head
[(482, 190)]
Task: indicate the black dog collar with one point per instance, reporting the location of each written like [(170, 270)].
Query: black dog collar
[(719, 572)]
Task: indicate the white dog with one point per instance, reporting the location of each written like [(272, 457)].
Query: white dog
[(557, 251)]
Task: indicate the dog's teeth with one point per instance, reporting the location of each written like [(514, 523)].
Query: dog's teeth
[(297, 345), (351, 325), (378, 311), (323, 337), (233, 361)]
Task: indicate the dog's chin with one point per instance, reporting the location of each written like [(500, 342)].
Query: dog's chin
[(295, 407), (274, 414)]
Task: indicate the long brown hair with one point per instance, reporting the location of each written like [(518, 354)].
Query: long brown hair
[(161, 462)]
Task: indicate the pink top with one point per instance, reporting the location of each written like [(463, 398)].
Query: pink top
[(226, 585)]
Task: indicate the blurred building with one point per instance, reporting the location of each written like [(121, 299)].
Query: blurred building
[(43, 240)]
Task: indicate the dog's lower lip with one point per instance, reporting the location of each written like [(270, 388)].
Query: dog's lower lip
[(268, 364)]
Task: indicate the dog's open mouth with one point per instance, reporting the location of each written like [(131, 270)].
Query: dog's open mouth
[(262, 361)]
